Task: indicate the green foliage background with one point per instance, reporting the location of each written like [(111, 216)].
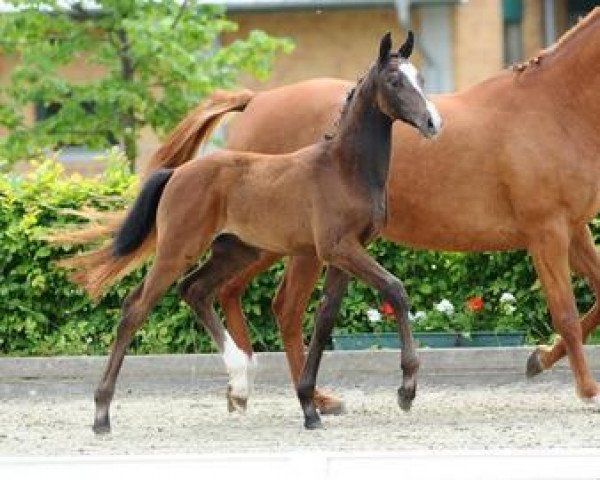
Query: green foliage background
[(152, 62), (42, 313)]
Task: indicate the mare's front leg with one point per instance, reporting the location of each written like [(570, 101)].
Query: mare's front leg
[(229, 256), (334, 288), (550, 255)]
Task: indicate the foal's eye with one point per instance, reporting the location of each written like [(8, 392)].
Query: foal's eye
[(396, 82)]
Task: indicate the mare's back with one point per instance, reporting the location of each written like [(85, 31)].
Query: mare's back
[(288, 118)]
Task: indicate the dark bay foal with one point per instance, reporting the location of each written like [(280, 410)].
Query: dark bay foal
[(328, 200)]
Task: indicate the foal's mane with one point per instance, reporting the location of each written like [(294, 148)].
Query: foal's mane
[(574, 32), (350, 96)]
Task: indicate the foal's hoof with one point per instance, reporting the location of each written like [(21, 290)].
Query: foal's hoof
[(534, 364), (329, 404), (405, 398), (312, 423), (236, 404), (101, 428)]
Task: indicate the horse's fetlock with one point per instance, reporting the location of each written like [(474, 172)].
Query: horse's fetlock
[(305, 392), (410, 363)]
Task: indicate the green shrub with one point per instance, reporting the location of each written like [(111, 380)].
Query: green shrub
[(42, 313)]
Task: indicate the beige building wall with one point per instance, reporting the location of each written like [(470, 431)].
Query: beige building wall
[(478, 41), (329, 43), (533, 28)]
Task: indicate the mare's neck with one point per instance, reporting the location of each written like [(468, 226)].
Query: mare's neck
[(572, 69), (362, 145)]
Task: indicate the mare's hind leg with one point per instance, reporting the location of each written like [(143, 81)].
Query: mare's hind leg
[(551, 259), (289, 305), (136, 307), (229, 256), (585, 261)]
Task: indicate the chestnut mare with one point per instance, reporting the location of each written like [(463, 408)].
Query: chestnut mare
[(517, 167), (327, 201)]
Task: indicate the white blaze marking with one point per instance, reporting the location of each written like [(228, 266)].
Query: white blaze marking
[(410, 72), (237, 363)]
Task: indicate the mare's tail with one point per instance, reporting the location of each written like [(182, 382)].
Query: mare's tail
[(193, 130), (98, 268), (135, 240)]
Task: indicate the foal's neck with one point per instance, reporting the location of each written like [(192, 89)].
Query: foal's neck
[(362, 145)]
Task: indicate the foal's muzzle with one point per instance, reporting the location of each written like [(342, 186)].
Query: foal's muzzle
[(432, 123)]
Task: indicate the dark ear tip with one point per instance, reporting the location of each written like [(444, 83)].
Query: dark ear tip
[(384, 47), (386, 39)]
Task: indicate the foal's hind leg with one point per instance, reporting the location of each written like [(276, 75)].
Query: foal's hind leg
[(585, 261), (136, 307), (289, 305), (229, 256), (230, 298)]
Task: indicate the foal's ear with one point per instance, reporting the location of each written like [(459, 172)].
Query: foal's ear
[(384, 48), (405, 50)]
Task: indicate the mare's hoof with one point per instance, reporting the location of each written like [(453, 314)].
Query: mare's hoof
[(593, 401), (534, 364), (236, 404), (101, 428), (405, 399), (313, 423), (329, 404)]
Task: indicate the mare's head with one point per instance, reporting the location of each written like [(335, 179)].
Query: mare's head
[(400, 88)]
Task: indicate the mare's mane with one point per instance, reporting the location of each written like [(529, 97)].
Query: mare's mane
[(574, 32)]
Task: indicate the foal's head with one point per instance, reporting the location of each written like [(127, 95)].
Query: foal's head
[(400, 88)]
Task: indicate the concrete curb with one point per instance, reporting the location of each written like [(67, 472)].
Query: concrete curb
[(273, 366)]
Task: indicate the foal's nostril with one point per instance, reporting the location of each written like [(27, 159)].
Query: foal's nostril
[(430, 124)]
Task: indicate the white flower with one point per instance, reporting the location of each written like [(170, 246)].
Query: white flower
[(507, 298), (445, 306), (420, 315), (373, 315)]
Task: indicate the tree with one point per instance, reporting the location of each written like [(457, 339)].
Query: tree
[(158, 59)]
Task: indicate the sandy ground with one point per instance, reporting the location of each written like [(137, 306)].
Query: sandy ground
[(167, 419)]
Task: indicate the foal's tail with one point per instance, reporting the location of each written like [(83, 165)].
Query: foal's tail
[(99, 268), (134, 242)]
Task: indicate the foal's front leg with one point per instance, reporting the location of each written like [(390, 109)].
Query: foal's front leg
[(351, 257), (334, 288)]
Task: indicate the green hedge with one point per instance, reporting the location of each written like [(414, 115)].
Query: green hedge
[(42, 313)]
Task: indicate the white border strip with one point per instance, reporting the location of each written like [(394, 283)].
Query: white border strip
[(548, 464)]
